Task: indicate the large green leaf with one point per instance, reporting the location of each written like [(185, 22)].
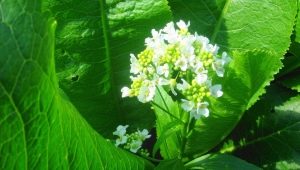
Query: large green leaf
[(297, 27), (269, 133), (241, 24), (238, 26), (39, 127), (93, 41), (220, 161)]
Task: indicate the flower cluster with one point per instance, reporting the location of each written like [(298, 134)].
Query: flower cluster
[(180, 61), (133, 141)]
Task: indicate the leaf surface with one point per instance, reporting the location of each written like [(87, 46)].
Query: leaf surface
[(39, 126), (272, 136), (220, 161), (93, 41)]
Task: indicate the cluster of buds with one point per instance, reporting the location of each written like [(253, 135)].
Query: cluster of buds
[(133, 141), (182, 62)]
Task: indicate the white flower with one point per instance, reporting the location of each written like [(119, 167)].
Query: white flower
[(171, 34), (201, 77), (156, 42), (163, 70), (121, 130), (187, 105), (135, 67), (216, 90), (121, 133), (183, 86), (174, 53), (198, 68), (186, 47), (182, 25), (182, 63), (135, 145), (147, 92), (219, 63), (200, 110), (121, 140), (213, 49), (160, 81), (125, 92), (143, 135), (203, 41)]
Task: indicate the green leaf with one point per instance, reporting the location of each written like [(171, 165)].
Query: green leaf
[(291, 60), (168, 130), (242, 86), (297, 27), (241, 25), (256, 47), (220, 161), (168, 111), (39, 127), (269, 133), (174, 164), (93, 41), (292, 80)]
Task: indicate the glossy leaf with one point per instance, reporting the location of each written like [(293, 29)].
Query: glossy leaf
[(220, 161), (39, 127), (93, 41), (174, 164)]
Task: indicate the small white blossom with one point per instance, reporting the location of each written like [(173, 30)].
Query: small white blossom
[(182, 25), (121, 133), (219, 63), (187, 105), (216, 90), (135, 67), (200, 110), (182, 63), (143, 135), (163, 70), (121, 130), (213, 49), (146, 93), (125, 92), (183, 86), (170, 33), (135, 145), (121, 140), (201, 77)]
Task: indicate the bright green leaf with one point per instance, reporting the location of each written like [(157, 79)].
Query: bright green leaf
[(174, 164), (297, 27), (168, 130), (220, 161), (39, 126), (164, 107)]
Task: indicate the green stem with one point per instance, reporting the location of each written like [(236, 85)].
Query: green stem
[(151, 159), (188, 128)]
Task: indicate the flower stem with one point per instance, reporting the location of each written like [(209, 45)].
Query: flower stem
[(188, 128)]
